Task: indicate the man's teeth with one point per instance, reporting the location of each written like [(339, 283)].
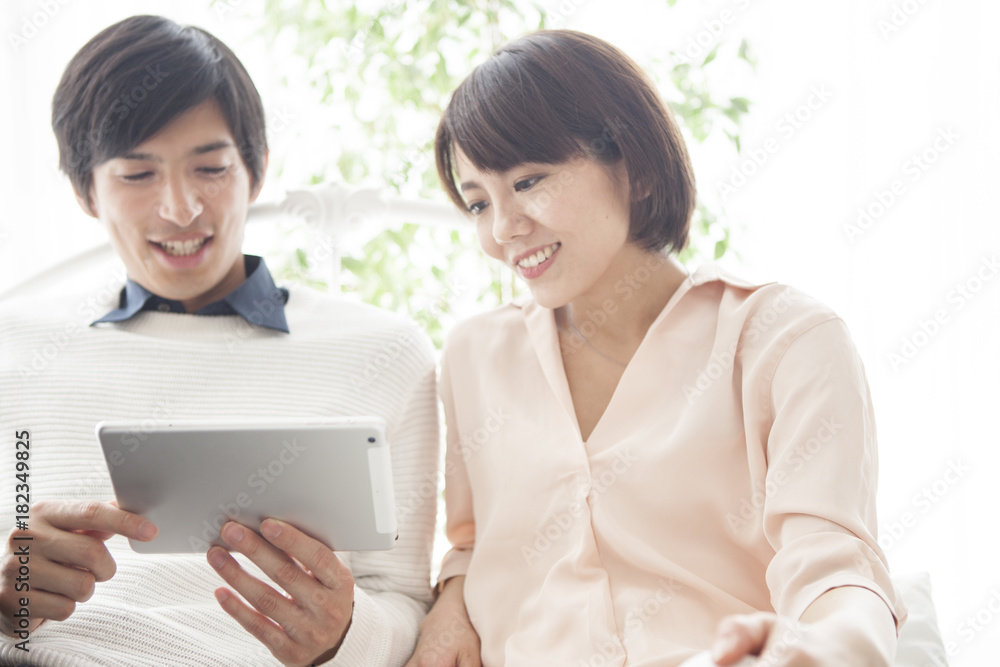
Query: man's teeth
[(181, 248), (531, 261)]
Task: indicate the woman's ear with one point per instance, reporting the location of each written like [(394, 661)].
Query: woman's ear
[(639, 189)]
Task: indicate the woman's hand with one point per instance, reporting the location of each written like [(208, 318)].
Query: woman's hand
[(844, 627), (307, 625), (447, 638), (778, 642)]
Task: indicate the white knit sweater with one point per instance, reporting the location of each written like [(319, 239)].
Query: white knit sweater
[(58, 377)]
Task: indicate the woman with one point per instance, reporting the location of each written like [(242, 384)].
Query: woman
[(642, 463)]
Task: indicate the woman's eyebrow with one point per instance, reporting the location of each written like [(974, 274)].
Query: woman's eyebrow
[(468, 185), (197, 150)]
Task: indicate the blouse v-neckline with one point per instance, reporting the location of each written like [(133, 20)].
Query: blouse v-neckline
[(544, 336)]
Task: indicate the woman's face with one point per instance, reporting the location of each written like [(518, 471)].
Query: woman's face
[(561, 227)]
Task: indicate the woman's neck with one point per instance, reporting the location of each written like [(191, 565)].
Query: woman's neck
[(620, 308)]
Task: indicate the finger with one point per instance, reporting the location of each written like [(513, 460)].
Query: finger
[(96, 534), (102, 517), (76, 551), (50, 606), (741, 635), (278, 565), (265, 599), (101, 535), (432, 659), (313, 554), (784, 647), (260, 626), (72, 583)]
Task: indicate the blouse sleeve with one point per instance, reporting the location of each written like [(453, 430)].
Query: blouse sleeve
[(460, 526), (822, 469)]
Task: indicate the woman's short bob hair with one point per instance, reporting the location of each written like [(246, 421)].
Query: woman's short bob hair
[(554, 95), (133, 78)]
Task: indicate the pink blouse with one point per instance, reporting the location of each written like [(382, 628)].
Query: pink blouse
[(733, 470)]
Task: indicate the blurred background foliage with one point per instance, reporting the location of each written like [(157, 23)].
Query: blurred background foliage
[(376, 78)]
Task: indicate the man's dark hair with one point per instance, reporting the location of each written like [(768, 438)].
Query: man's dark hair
[(554, 95), (133, 78)]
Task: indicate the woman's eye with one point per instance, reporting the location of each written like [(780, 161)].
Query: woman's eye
[(475, 208), (526, 184)]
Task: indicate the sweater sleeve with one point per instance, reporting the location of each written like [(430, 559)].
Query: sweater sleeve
[(392, 588), (822, 468)]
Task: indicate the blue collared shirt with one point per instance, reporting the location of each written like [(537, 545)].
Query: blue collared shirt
[(257, 300)]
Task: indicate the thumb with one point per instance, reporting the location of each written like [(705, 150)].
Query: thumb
[(741, 635)]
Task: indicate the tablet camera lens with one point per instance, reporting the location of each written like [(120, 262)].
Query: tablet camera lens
[(371, 439)]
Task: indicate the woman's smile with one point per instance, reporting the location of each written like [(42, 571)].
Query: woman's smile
[(533, 264)]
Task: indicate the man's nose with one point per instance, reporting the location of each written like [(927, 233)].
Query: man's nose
[(180, 202)]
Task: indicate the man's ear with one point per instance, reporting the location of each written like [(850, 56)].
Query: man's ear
[(86, 203), (260, 183)]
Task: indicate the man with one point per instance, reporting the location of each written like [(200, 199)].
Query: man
[(161, 132)]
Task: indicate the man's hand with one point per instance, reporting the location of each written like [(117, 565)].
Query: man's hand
[(67, 557), (308, 624), (447, 638)]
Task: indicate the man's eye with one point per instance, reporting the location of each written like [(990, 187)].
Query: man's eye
[(214, 171), (475, 208), (526, 184), (132, 178)]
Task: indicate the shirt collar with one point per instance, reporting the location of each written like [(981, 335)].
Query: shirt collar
[(257, 300)]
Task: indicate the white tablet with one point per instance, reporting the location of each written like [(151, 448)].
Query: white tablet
[(331, 478)]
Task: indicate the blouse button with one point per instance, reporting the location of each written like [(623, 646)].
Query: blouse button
[(164, 308)]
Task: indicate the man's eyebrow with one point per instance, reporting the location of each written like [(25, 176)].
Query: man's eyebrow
[(214, 146), (197, 150)]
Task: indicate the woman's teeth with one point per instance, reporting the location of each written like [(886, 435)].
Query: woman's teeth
[(181, 248), (531, 261)]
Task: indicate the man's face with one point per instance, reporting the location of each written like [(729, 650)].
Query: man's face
[(175, 207)]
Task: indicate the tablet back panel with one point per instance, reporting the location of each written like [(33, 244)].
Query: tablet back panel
[(331, 478)]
